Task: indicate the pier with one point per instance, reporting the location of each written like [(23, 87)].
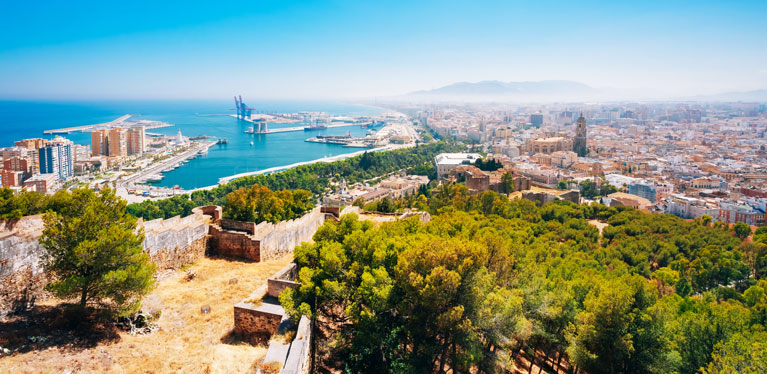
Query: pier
[(119, 122), (296, 128), (156, 169)]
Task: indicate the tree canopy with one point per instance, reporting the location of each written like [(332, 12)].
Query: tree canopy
[(489, 280), (260, 204), (94, 253)]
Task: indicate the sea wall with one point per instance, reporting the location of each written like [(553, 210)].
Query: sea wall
[(21, 272), (170, 244)]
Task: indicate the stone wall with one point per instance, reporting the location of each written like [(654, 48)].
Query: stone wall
[(233, 244), (176, 241), (228, 224), (257, 317), (282, 280), (299, 356), (278, 239), (21, 274), (170, 244)]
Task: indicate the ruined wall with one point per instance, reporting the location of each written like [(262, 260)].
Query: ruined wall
[(21, 274), (299, 356), (170, 244), (176, 241), (233, 244), (281, 238), (228, 224), (257, 317), (282, 280)]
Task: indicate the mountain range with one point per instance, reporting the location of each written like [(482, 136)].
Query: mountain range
[(554, 91)]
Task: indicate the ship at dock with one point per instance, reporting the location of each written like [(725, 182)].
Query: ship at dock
[(344, 140), (317, 125)]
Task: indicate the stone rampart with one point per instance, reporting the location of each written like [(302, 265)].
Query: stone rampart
[(233, 244), (170, 244), (248, 227), (176, 241), (282, 280), (22, 278), (299, 356), (278, 239)]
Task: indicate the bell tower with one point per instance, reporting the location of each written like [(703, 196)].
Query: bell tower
[(579, 145)]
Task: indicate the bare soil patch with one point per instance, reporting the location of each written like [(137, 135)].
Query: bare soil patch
[(187, 341)]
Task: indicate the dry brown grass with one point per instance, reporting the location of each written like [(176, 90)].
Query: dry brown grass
[(188, 341)]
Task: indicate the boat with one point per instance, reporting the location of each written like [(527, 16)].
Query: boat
[(316, 126), (222, 141), (251, 143)]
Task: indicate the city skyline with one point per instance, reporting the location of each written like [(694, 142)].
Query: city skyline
[(351, 50)]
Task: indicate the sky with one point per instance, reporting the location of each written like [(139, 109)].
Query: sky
[(367, 49)]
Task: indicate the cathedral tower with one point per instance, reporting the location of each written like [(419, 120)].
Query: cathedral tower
[(579, 145)]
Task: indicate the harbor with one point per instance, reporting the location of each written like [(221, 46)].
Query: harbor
[(153, 173), (264, 130)]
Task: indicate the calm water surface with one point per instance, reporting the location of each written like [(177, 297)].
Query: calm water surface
[(19, 120)]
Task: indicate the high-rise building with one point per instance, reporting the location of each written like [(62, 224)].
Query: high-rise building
[(99, 143), (118, 142), (579, 143), (536, 119), (32, 145), (17, 164), (56, 158), (136, 140)]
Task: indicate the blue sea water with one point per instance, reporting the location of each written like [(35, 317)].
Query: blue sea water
[(20, 120)]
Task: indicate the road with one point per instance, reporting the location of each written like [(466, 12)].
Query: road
[(157, 168)]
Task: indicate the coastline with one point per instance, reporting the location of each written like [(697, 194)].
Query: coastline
[(230, 178)]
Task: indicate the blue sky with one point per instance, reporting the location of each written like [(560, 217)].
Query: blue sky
[(362, 49)]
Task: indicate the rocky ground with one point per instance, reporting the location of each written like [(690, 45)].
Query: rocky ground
[(185, 339)]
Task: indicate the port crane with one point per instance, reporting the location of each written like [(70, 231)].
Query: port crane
[(243, 110)]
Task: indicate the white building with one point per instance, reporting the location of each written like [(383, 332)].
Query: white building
[(447, 162)]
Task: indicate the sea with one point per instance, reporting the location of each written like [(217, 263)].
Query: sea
[(243, 153)]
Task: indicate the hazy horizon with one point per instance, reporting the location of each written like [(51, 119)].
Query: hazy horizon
[(355, 50)]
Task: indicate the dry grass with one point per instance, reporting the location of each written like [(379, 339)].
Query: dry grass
[(188, 341)]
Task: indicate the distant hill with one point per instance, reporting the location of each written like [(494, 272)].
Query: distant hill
[(748, 96), (549, 90)]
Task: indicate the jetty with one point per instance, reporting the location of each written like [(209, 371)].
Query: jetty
[(117, 123), (295, 128)]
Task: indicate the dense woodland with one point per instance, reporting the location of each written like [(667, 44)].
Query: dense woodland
[(260, 204), (315, 178), (489, 281)]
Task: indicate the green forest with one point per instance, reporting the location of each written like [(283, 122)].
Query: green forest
[(489, 281), (260, 204), (315, 178)]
